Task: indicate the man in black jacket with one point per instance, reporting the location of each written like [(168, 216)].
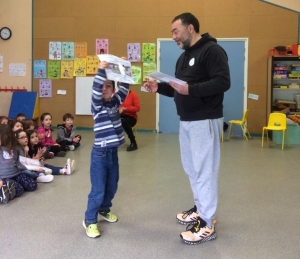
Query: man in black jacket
[(199, 102)]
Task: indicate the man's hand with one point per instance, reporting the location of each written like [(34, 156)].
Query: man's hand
[(151, 86), (181, 89)]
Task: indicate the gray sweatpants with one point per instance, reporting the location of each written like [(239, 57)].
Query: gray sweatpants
[(200, 156)]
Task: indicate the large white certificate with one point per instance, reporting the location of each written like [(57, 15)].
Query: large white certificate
[(165, 78), (118, 69)]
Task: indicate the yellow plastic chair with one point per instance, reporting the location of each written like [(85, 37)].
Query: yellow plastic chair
[(277, 121), (242, 123)]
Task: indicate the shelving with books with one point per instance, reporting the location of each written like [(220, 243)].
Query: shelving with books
[(283, 84)]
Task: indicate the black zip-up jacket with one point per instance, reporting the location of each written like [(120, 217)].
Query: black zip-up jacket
[(204, 66)]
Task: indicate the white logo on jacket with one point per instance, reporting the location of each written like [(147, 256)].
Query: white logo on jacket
[(192, 62)]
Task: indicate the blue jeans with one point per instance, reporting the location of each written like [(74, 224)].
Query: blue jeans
[(55, 169), (104, 174)]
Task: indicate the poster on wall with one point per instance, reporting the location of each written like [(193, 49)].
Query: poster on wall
[(1, 63), (101, 46), (17, 69), (67, 49), (54, 50), (137, 74), (45, 88), (134, 52), (80, 49), (148, 52), (66, 71), (39, 69), (53, 69), (92, 63), (79, 67), (147, 69)]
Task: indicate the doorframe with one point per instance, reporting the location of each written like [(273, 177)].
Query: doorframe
[(245, 40)]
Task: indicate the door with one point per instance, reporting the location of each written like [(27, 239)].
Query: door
[(234, 99)]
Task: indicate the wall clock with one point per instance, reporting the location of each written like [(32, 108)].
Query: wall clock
[(5, 33)]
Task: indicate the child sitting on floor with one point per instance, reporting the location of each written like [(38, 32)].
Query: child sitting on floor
[(10, 167), (66, 137), (45, 135), (36, 151), (36, 172)]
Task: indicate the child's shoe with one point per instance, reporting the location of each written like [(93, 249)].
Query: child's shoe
[(47, 170), (67, 168), (108, 216), (42, 178), (50, 155), (91, 229), (73, 165), (71, 147), (4, 194), (11, 185)]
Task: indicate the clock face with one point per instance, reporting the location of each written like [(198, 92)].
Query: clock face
[(5, 33)]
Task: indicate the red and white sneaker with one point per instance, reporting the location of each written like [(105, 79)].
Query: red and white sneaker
[(198, 232), (67, 170)]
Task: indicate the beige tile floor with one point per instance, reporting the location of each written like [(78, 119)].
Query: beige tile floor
[(258, 214)]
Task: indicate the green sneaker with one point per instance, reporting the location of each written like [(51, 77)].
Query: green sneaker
[(91, 230), (109, 217)]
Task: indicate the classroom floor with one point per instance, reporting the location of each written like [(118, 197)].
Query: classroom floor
[(258, 213)]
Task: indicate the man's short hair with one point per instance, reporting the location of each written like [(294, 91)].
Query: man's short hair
[(68, 116), (187, 19)]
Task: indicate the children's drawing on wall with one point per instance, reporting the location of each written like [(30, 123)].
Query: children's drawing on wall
[(79, 67), (66, 71), (80, 49), (17, 69), (92, 63), (147, 69), (39, 69), (137, 74), (54, 50), (53, 69), (101, 46), (67, 50), (134, 52), (45, 88), (148, 52)]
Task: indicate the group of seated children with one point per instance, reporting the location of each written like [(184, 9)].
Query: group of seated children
[(23, 151)]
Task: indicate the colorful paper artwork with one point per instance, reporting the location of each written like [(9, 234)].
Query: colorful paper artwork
[(148, 52), (45, 87), (53, 69), (67, 49), (54, 50), (134, 52), (136, 74), (101, 46), (39, 69), (147, 69), (80, 49), (92, 63), (66, 71), (79, 67)]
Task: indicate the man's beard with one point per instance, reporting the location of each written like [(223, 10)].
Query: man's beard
[(185, 44)]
